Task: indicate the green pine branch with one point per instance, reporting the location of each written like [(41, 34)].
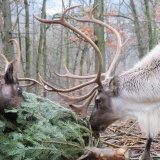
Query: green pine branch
[(58, 133)]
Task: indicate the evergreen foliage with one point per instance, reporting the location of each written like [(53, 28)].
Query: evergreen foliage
[(43, 130)]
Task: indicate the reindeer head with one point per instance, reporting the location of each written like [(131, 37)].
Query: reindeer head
[(10, 91), (102, 112)]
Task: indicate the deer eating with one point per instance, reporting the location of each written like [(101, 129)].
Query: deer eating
[(135, 92), (10, 90)]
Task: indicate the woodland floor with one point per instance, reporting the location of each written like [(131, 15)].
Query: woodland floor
[(127, 134)]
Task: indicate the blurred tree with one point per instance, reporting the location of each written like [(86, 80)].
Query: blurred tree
[(99, 32), (27, 41), (149, 23), (137, 29), (7, 29), (42, 47)]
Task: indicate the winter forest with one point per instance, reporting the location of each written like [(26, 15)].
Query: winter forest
[(45, 48)]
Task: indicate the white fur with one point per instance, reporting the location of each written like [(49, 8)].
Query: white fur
[(139, 93), (148, 115)]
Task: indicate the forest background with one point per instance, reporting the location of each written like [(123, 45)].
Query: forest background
[(46, 48)]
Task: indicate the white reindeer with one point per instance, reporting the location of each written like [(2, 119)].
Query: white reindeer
[(135, 93)]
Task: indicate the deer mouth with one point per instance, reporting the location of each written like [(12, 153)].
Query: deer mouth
[(99, 129)]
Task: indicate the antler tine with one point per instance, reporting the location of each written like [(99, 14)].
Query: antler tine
[(57, 21), (18, 66), (73, 76), (82, 109), (29, 79), (18, 58), (6, 61), (91, 15), (92, 19), (63, 22), (71, 100), (64, 90), (68, 74)]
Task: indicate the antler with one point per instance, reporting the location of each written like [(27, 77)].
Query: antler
[(18, 58), (71, 100), (63, 22), (119, 46), (6, 63), (18, 66), (73, 76)]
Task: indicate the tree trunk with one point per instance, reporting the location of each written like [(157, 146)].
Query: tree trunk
[(19, 38), (137, 30), (42, 45), (1, 23), (60, 51), (149, 22), (34, 48), (155, 28), (7, 30), (99, 32), (76, 60), (67, 56), (83, 56), (27, 41)]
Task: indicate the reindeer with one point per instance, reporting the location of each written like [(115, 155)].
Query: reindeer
[(10, 90), (135, 92)]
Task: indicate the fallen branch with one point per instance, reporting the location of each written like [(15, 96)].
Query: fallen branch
[(105, 154)]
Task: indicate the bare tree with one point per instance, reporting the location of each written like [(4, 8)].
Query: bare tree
[(149, 23), (42, 46), (27, 41), (7, 29), (99, 32), (137, 30)]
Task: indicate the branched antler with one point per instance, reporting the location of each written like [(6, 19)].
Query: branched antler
[(6, 62), (63, 22), (18, 66), (73, 76), (71, 100), (119, 46)]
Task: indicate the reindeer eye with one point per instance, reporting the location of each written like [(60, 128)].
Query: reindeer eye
[(19, 90), (99, 90), (98, 100)]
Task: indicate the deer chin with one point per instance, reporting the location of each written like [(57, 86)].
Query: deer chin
[(102, 128)]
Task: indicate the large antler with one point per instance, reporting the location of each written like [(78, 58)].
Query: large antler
[(71, 100), (6, 62), (18, 57), (18, 66), (73, 76), (119, 45), (63, 22)]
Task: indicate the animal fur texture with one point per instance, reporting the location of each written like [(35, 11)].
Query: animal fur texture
[(139, 93)]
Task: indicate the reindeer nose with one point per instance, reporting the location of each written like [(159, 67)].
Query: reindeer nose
[(91, 121), (92, 124)]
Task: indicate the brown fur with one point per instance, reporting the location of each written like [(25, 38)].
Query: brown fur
[(102, 115), (10, 91)]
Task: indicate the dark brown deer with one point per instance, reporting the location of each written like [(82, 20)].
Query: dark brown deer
[(135, 92), (10, 90)]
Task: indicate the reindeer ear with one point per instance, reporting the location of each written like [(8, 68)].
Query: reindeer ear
[(113, 85), (8, 77)]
